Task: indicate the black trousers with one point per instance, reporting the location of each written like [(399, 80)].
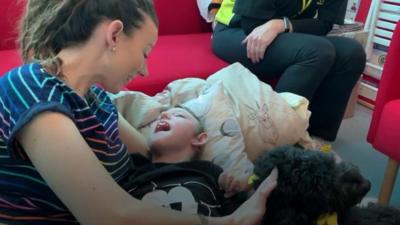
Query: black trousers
[(322, 69)]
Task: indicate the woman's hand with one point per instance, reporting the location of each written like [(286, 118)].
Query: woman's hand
[(252, 211), (261, 37)]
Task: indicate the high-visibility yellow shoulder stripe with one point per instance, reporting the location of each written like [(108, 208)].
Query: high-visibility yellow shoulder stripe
[(225, 13), (305, 5)]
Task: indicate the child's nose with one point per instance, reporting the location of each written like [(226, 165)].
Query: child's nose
[(165, 115)]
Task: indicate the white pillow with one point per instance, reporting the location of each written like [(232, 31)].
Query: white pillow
[(137, 108), (225, 146), (266, 119), (140, 109), (240, 113)]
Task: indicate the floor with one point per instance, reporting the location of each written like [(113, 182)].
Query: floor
[(351, 145)]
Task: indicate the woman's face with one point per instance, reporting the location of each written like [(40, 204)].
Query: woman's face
[(130, 55)]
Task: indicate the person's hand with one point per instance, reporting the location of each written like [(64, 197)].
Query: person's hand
[(261, 37), (252, 211), (234, 181)]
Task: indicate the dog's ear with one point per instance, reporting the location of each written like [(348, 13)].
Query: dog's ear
[(350, 185)]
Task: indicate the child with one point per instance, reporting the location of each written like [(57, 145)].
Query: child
[(174, 177)]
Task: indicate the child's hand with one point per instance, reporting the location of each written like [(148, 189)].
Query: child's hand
[(234, 181)]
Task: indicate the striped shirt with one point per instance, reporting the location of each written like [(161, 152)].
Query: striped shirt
[(25, 198)]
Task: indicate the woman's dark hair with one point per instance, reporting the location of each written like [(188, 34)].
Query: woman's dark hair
[(52, 25)]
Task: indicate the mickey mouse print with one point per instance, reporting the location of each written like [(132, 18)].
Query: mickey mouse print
[(190, 187)]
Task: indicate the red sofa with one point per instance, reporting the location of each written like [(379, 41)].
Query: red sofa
[(9, 57), (384, 130), (183, 48)]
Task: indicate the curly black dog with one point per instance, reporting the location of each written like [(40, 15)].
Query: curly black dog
[(373, 214), (310, 184)]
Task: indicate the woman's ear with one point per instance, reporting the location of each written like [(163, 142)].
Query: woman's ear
[(114, 29), (200, 139)]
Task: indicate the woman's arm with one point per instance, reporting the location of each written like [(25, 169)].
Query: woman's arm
[(62, 157), (132, 138), (331, 12), (258, 12), (261, 34), (309, 26), (261, 37)]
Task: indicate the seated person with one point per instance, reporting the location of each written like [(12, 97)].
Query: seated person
[(174, 177)]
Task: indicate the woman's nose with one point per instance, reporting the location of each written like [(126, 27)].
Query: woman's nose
[(144, 71)]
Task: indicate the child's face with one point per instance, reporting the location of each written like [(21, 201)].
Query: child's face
[(174, 132)]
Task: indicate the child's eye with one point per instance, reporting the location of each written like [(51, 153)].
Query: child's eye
[(180, 115)]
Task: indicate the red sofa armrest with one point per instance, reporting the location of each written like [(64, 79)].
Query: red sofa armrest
[(363, 10), (180, 17), (389, 83)]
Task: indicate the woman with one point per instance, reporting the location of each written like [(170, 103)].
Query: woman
[(286, 38), (64, 147)]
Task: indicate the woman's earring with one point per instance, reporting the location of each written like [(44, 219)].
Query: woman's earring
[(113, 49)]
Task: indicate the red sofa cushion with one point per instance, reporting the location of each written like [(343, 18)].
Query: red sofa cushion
[(175, 57), (180, 17), (9, 59)]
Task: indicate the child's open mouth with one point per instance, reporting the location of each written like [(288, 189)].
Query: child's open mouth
[(162, 126)]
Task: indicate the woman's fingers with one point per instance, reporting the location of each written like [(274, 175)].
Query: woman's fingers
[(269, 183), (252, 210), (262, 51), (247, 41), (256, 51), (256, 47), (251, 46)]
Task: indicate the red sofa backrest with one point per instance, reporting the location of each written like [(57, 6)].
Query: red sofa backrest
[(175, 16), (180, 17), (10, 12)]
